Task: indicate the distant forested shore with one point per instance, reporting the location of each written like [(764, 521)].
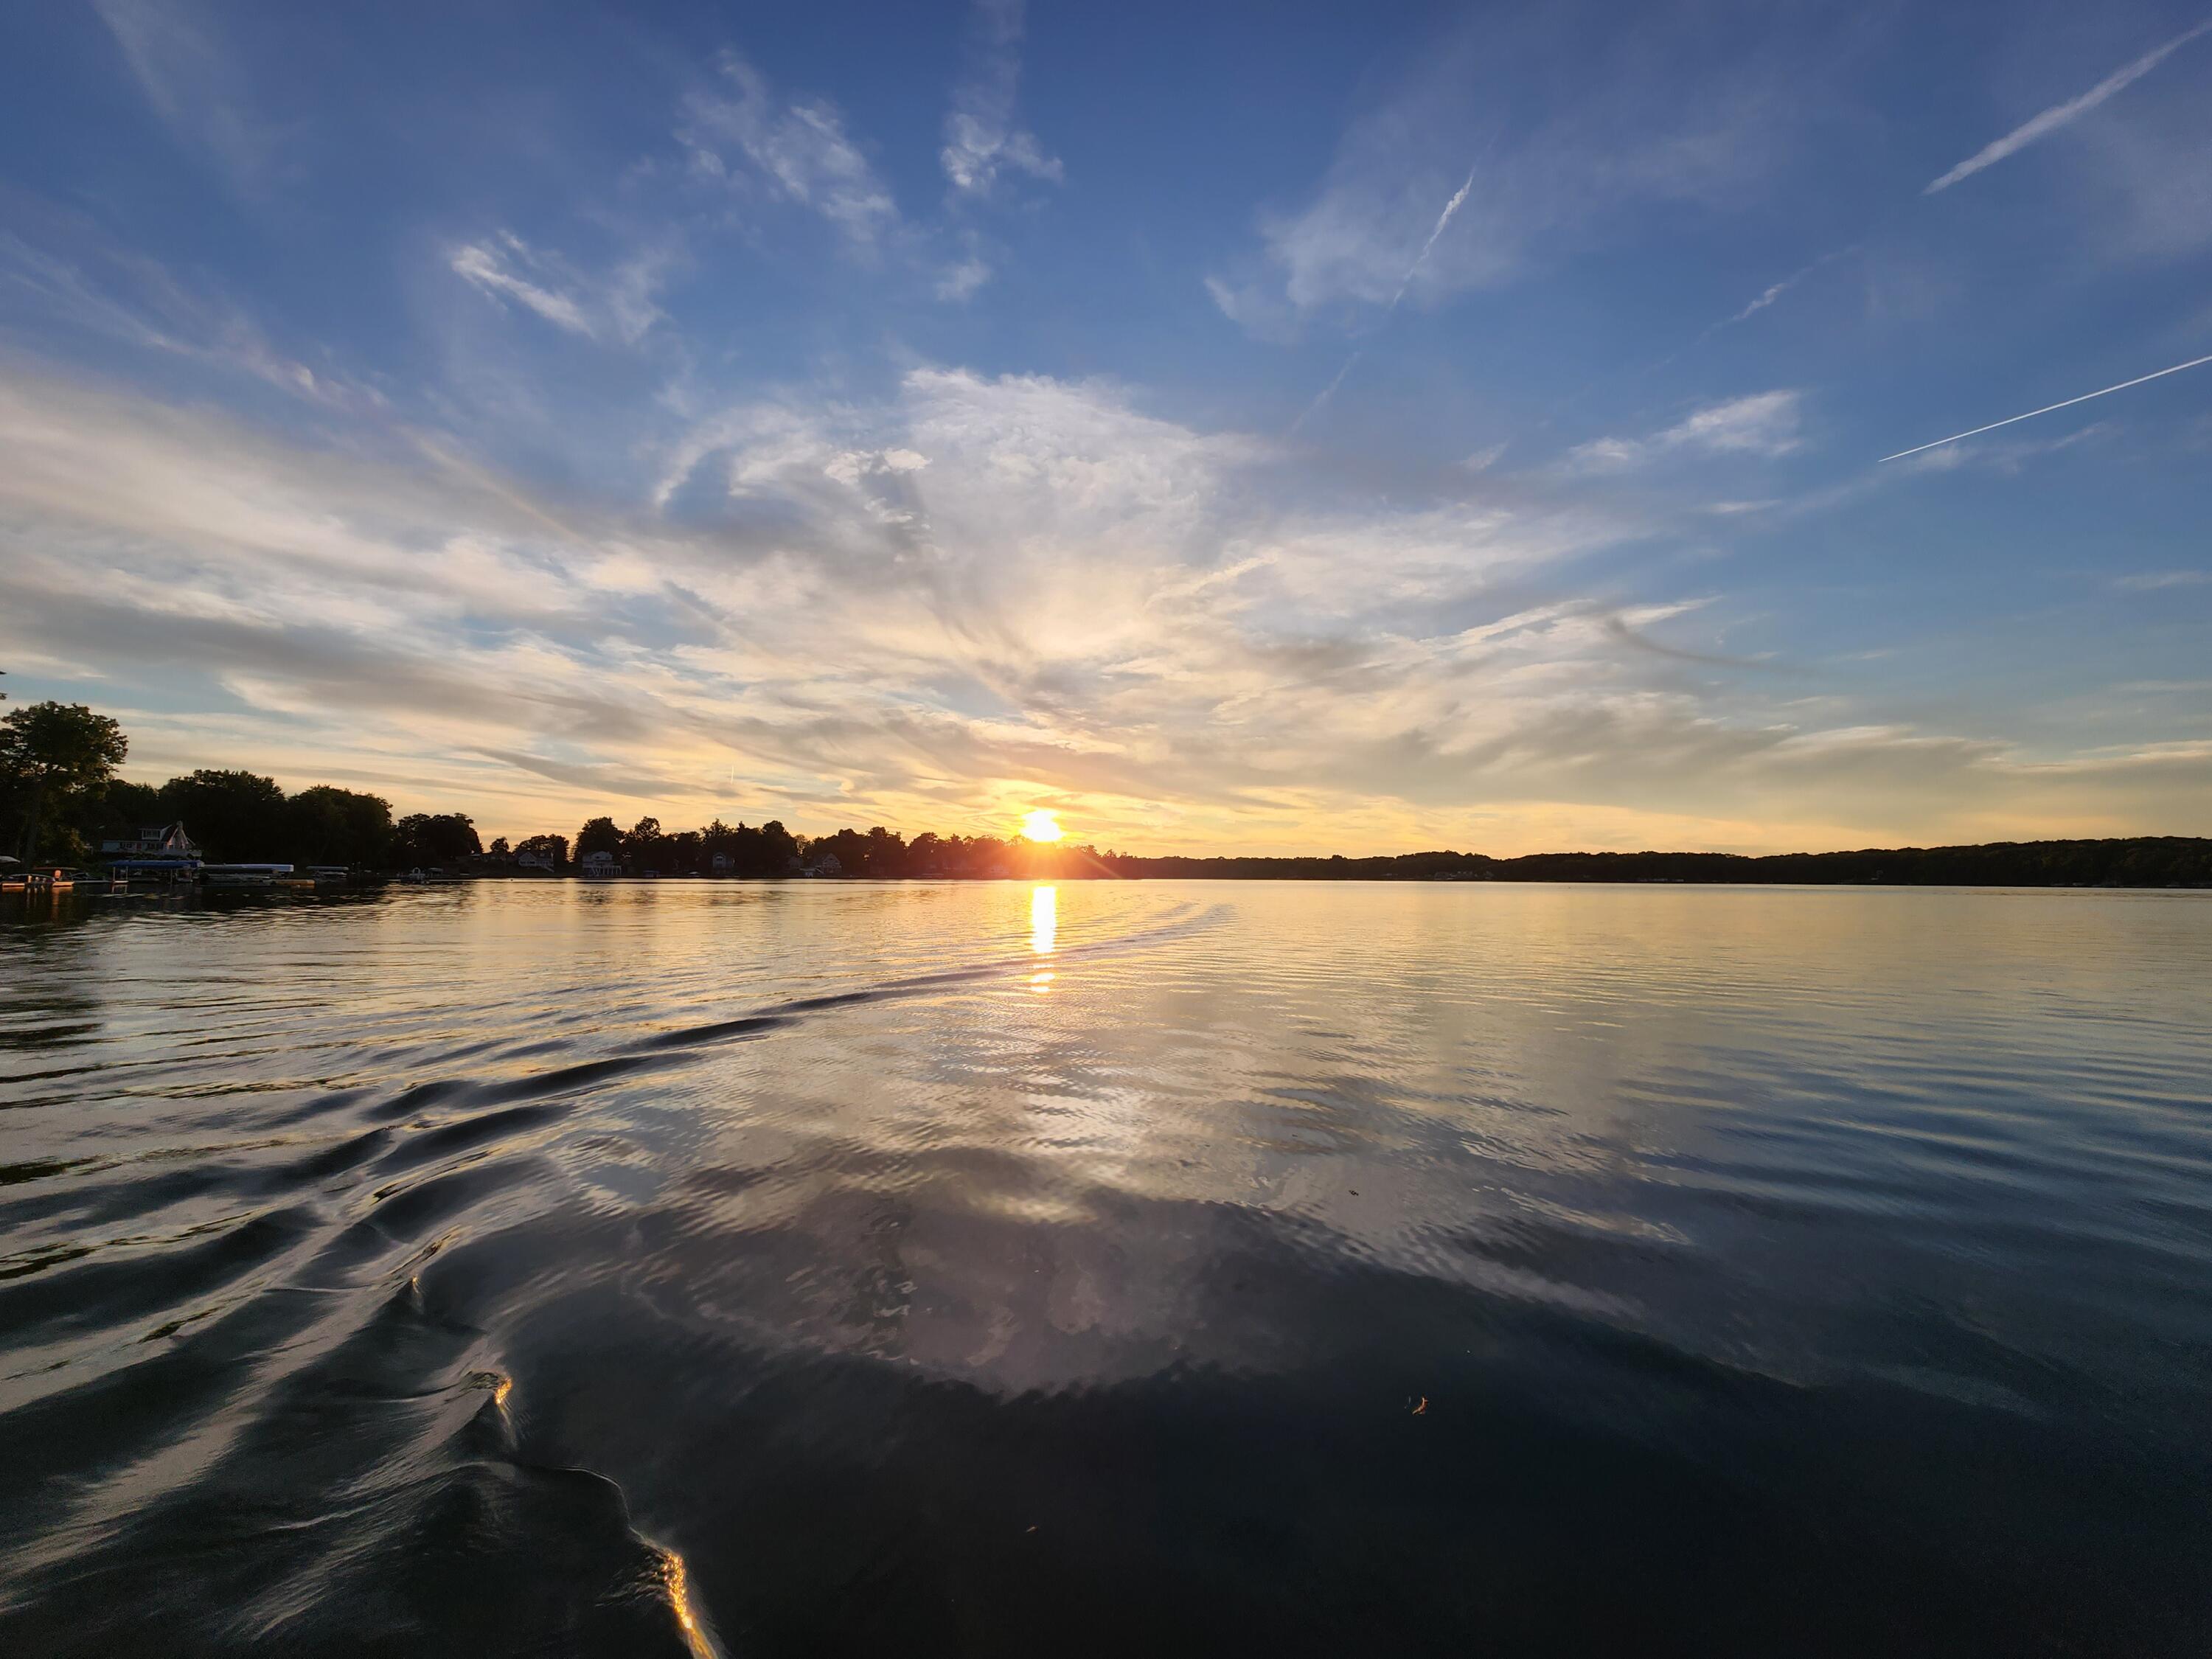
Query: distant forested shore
[(61, 803), (2131, 861)]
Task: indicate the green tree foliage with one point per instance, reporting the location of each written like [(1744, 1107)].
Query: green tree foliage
[(55, 758), (235, 816)]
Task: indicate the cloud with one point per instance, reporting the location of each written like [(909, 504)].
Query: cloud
[(1764, 424), (487, 267), (2059, 115), (185, 74), (1668, 110), (2151, 581), (983, 144), (87, 282), (798, 151), (620, 307), (924, 610), (1774, 291)]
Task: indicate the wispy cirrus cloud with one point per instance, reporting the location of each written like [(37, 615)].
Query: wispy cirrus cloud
[(490, 268), (983, 141), (925, 609), (619, 306), (798, 150), (1649, 114), (2059, 115), (1764, 424), (180, 62)]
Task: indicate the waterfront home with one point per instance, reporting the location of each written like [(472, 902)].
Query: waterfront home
[(159, 841), (597, 866), (156, 853)]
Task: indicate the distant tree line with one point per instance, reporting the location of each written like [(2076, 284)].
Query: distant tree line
[(2130, 861), (60, 798)]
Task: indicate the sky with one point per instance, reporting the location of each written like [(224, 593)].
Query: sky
[(1262, 427)]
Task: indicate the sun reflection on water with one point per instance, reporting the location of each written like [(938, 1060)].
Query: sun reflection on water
[(1044, 924)]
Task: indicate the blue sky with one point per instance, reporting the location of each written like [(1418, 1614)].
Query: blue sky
[(1264, 426)]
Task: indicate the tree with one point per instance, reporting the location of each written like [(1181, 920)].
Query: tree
[(599, 835), (642, 846), (121, 809), (327, 825), (499, 848), (234, 816), (554, 849), (52, 754), (434, 838)]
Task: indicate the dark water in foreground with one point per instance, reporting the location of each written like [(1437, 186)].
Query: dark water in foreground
[(839, 1269)]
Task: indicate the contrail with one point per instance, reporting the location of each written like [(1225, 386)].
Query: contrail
[(2059, 114), (1327, 392), (1444, 219), (2069, 403), (1458, 200)]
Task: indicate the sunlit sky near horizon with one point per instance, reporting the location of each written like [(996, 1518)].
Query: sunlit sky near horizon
[(1262, 428)]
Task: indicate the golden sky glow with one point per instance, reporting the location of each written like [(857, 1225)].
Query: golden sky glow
[(1041, 825)]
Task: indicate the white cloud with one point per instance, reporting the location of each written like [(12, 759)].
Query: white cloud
[(619, 307), (982, 141), (957, 281), (1764, 424), (922, 609), (799, 151), (487, 267)]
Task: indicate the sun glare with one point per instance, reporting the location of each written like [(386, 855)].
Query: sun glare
[(1041, 825)]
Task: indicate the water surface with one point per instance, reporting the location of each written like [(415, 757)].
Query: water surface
[(833, 1268)]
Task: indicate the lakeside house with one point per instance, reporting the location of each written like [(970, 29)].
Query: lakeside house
[(597, 866), (157, 852)]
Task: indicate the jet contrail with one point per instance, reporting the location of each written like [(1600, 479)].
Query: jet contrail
[(1458, 200), (2068, 403), (2059, 114), (1327, 392)]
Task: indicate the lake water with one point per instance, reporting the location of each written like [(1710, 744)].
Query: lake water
[(1117, 1268)]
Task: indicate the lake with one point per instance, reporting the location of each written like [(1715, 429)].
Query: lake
[(1117, 1268)]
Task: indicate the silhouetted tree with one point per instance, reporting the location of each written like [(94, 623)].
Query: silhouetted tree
[(434, 838), (328, 825), (554, 849), (54, 755), (599, 835), (641, 845), (232, 815)]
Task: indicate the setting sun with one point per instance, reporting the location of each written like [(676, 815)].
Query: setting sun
[(1041, 825)]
